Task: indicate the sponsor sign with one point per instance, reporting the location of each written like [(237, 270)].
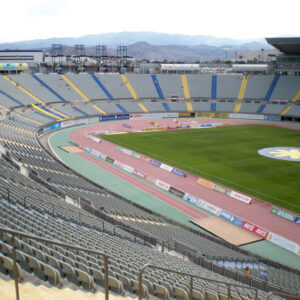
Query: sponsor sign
[(179, 66), (248, 226), (109, 159), (206, 183), (166, 167), (179, 172), (192, 199), (113, 117), (162, 184), (52, 127), (240, 197), (138, 173), (222, 115), (261, 232), (118, 164), (221, 189), (272, 118), (206, 115), (282, 213), (176, 192), (297, 220), (128, 169), (150, 179), (95, 152), (210, 207), (246, 116), (184, 114), (88, 149), (153, 116), (155, 163), (284, 243), (231, 218), (67, 123), (95, 139), (255, 229)]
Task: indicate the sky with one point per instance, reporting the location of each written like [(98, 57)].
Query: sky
[(238, 19)]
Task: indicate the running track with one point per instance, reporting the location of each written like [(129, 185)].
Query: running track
[(256, 213)]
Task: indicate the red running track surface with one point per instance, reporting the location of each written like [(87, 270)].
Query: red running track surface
[(258, 212)]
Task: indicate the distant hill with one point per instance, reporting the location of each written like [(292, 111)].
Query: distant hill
[(127, 38), (152, 46)]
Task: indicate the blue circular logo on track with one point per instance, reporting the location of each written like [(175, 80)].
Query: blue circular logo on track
[(283, 153)]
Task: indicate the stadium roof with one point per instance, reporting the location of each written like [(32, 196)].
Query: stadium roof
[(290, 46)]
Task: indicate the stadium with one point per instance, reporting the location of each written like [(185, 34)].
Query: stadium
[(123, 185)]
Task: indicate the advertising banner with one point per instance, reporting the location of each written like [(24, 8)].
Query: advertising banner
[(206, 115), (139, 173), (176, 192), (166, 167), (284, 243), (179, 172), (231, 218), (282, 213), (221, 189), (210, 207), (246, 116), (128, 169), (162, 184), (150, 179), (155, 163), (222, 115), (206, 183), (67, 123), (248, 226), (255, 229), (103, 118), (192, 199), (240, 197), (109, 159), (95, 139), (272, 118), (153, 116), (126, 125)]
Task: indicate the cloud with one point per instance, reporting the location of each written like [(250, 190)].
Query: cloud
[(46, 8)]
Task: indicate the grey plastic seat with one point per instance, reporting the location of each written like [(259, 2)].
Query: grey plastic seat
[(85, 279), (161, 291), (135, 287), (115, 285), (180, 293), (6, 265), (51, 274)]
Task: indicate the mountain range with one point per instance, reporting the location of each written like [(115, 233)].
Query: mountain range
[(151, 45)]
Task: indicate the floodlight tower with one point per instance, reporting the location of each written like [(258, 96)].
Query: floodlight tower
[(79, 52), (56, 51), (101, 54), (122, 55)]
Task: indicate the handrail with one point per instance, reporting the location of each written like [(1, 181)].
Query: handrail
[(45, 240), (140, 290), (286, 296)]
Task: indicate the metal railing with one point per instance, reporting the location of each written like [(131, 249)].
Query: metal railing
[(49, 241), (190, 294)]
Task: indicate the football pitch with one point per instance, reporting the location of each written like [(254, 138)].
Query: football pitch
[(228, 156)]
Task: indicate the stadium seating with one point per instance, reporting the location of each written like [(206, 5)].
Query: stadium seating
[(36, 204)]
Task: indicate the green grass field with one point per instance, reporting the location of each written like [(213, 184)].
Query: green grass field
[(228, 155)]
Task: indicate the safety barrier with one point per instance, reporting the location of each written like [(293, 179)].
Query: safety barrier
[(49, 241)]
